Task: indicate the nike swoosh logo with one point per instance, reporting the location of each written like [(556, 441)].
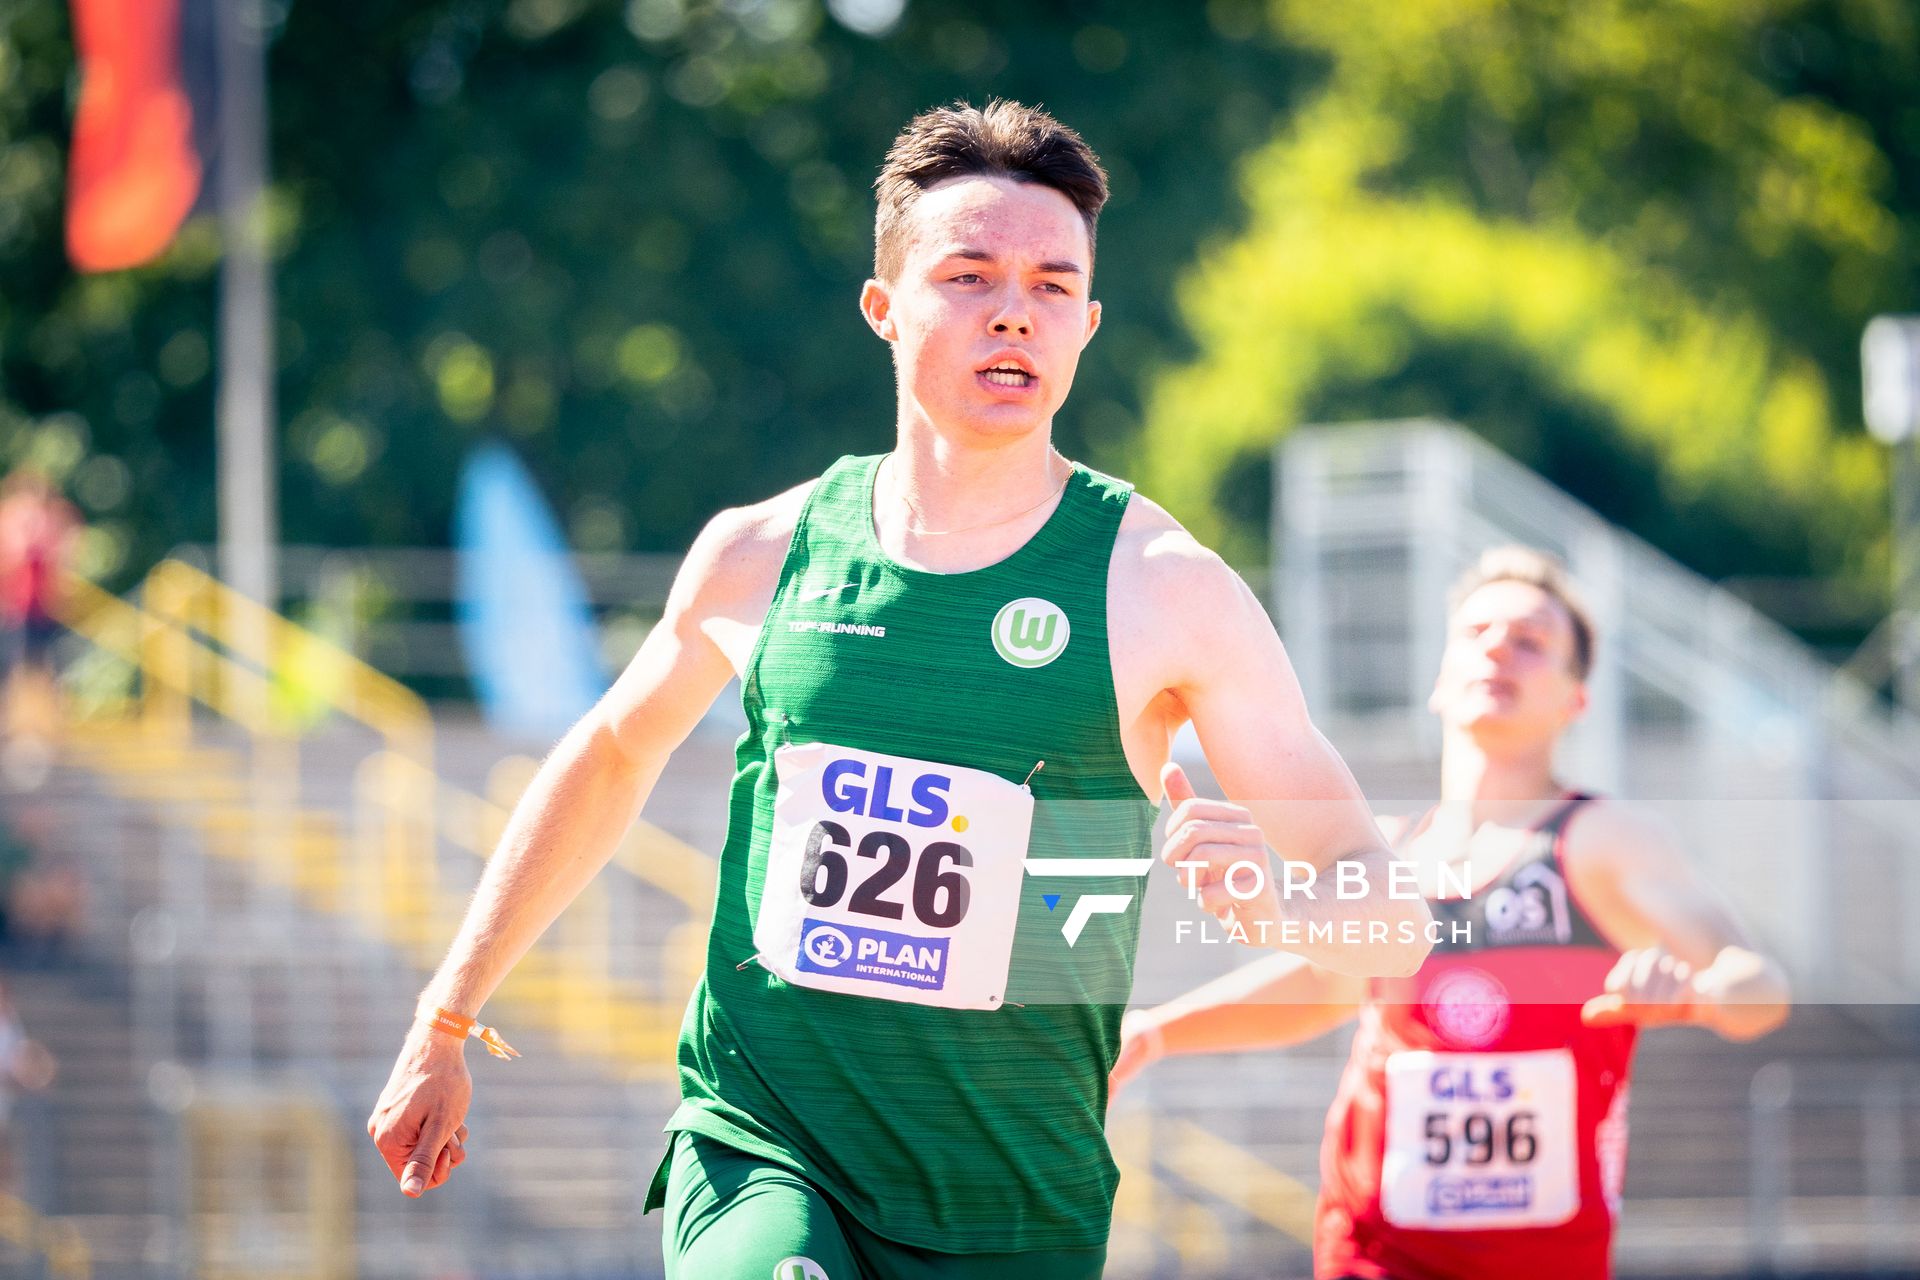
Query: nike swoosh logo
[(830, 591)]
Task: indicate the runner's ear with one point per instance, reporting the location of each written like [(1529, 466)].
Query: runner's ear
[(876, 304)]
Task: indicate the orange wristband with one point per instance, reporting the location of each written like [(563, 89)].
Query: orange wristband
[(460, 1027)]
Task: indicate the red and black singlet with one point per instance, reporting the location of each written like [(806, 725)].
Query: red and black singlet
[(1480, 1128)]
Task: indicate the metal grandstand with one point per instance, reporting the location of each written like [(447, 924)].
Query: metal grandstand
[(1798, 789)]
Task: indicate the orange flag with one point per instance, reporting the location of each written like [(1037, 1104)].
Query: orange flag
[(134, 172)]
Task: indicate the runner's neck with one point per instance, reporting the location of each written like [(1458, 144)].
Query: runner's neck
[(1478, 786), (942, 507)]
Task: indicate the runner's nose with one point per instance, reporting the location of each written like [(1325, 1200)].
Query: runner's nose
[(1012, 316)]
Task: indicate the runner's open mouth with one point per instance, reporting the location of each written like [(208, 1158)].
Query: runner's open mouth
[(1008, 375)]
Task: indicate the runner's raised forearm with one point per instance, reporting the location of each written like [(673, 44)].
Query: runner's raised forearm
[(1636, 880), (1235, 683), (1275, 1002)]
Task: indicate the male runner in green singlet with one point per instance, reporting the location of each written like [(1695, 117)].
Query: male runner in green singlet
[(962, 666)]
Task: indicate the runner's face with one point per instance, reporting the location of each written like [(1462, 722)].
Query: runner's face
[(995, 277), (1508, 665)]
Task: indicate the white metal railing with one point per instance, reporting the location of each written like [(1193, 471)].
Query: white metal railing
[(1877, 1206), (1797, 789)]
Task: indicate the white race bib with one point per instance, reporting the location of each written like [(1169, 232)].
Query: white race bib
[(892, 878), (1480, 1140)]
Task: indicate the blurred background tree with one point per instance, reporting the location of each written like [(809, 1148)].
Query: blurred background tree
[(626, 237), (1633, 244)]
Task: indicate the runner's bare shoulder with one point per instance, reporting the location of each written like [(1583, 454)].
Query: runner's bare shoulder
[(1611, 836), (1160, 560), (1172, 590), (734, 565)]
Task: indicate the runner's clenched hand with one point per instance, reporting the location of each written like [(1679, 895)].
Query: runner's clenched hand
[(419, 1123), (1648, 987), (1216, 834)]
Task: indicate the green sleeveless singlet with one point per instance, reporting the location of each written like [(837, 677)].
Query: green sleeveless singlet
[(970, 1129)]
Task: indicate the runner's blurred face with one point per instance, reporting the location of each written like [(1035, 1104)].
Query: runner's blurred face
[(990, 309), (1508, 669)]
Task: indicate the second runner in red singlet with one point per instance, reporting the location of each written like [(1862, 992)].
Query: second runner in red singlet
[(1479, 1132), (1480, 1129)]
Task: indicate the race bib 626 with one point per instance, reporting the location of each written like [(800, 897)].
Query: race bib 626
[(893, 878)]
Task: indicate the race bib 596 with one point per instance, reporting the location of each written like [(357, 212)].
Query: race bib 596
[(1479, 1140)]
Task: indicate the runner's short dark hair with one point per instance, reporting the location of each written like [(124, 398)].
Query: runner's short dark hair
[(1003, 140), (1536, 568)]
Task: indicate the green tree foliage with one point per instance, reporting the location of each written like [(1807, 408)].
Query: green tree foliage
[(1632, 243), (627, 237)]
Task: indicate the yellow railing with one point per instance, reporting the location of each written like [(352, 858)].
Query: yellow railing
[(196, 602), (1237, 1176), (270, 1182), (179, 668), (248, 653), (199, 642), (48, 1239), (566, 985), (1148, 1213)]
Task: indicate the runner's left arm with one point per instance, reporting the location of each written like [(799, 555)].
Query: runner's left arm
[(1686, 957), (1289, 787)]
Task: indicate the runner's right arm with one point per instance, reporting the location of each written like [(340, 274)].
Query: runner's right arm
[(1687, 958), (573, 815), (1273, 1003), (593, 784)]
